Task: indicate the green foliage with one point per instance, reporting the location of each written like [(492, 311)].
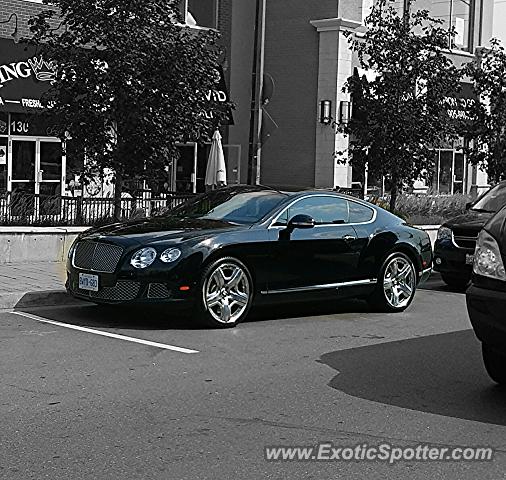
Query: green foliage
[(488, 117), (130, 82), (399, 116)]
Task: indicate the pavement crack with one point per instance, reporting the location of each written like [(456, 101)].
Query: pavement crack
[(29, 390), (342, 434)]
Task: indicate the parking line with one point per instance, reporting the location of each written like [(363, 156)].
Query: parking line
[(106, 334)]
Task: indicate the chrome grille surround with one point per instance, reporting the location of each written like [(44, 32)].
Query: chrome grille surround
[(158, 290), (466, 242), (97, 256)]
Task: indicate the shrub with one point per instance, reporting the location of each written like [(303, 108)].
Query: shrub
[(427, 209)]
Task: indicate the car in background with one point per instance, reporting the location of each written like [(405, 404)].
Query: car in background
[(486, 297), (232, 247), (456, 239)]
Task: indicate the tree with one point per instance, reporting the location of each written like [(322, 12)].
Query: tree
[(130, 82), (399, 116), (487, 127)]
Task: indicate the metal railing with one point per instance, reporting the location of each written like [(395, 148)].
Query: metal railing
[(18, 208)]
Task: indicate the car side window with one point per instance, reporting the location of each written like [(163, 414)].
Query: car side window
[(325, 210), (360, 213)]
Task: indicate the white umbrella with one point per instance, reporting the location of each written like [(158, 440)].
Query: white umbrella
[(216, 172)]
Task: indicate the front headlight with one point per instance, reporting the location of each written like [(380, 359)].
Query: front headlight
[(444, 233), (487, 258), (143, 258), (170, 255)]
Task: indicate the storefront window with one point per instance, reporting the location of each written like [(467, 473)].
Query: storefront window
[(456, 14)]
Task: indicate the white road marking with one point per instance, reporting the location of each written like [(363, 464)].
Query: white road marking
[(106, 334)]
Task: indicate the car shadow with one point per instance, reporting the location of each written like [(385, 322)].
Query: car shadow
[(439, 374), (171, 317)]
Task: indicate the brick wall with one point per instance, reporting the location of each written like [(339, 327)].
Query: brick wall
[(291, 57), (24, 9)]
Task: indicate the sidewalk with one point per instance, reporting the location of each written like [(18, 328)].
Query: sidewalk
[(32, 284)]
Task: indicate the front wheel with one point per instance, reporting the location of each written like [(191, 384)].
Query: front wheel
[(226, 293), (495, 364), (396, 284)]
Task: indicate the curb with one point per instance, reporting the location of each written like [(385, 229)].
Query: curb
[(43, 298)]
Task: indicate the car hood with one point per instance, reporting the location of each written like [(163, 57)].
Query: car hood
[(471, 222), (155, 229)]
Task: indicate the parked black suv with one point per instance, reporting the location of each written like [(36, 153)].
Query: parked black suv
[(456, 239), (486, 297)]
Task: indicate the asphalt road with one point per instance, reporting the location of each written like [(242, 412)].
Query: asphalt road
[(78, 405)]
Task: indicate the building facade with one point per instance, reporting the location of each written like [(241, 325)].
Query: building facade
[(309, 57), (33, 161)]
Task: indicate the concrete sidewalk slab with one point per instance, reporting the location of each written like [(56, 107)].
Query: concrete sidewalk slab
[(33, 284)]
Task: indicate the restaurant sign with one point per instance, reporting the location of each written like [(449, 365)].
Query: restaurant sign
[(24, 77), (459, 106)]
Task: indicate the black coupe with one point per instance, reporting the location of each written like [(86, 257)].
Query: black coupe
[(233, 247)]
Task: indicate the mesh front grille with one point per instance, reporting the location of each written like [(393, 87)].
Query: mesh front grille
[(158, 290), (97, 257), (122, 291)]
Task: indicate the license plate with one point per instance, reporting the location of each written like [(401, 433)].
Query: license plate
[(87, 281), (469, 259)]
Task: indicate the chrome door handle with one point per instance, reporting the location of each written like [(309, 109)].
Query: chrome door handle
[(349, 238)]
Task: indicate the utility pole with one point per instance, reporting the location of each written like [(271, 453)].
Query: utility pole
[(255, 147)]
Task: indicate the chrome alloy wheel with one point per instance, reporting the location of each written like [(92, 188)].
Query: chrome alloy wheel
[(399, 282), (226, 292)]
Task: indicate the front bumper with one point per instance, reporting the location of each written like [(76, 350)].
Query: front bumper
[(124, 290), (451, 260), (486, 311)]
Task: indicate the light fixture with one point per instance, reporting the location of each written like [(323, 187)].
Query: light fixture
[(325, 112), (15, 33), (345, 111)]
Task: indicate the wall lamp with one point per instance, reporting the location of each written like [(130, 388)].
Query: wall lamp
[(345, 112), (326, 112), (15, 33)]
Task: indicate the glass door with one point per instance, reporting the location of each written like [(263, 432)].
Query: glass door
[(458, 173), (48, 180), (22, 160)]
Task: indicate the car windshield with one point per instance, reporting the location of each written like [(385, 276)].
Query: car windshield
[(492, 201), (232, 206)]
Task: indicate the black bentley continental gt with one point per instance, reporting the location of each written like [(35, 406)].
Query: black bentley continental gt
[(234, 247)]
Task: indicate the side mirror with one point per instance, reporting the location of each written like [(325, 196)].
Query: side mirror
[(300, 221), (469, 205)]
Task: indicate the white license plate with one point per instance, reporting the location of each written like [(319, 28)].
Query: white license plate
[(469, 259), (87, 281)]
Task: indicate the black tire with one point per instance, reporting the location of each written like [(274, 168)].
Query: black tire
[(232, 303), (380, 300), (495, 364), (457, 283)]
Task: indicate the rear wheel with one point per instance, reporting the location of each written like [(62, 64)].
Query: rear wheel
[(396, 284), (458, 283), (495, 364), (226, 293)]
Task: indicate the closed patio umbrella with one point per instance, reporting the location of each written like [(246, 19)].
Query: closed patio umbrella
[(216, 172)]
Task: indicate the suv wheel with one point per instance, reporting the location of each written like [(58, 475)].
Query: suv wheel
[(495, 364), (457, 283)]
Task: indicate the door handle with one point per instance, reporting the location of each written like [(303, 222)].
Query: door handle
[(349, 238)]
